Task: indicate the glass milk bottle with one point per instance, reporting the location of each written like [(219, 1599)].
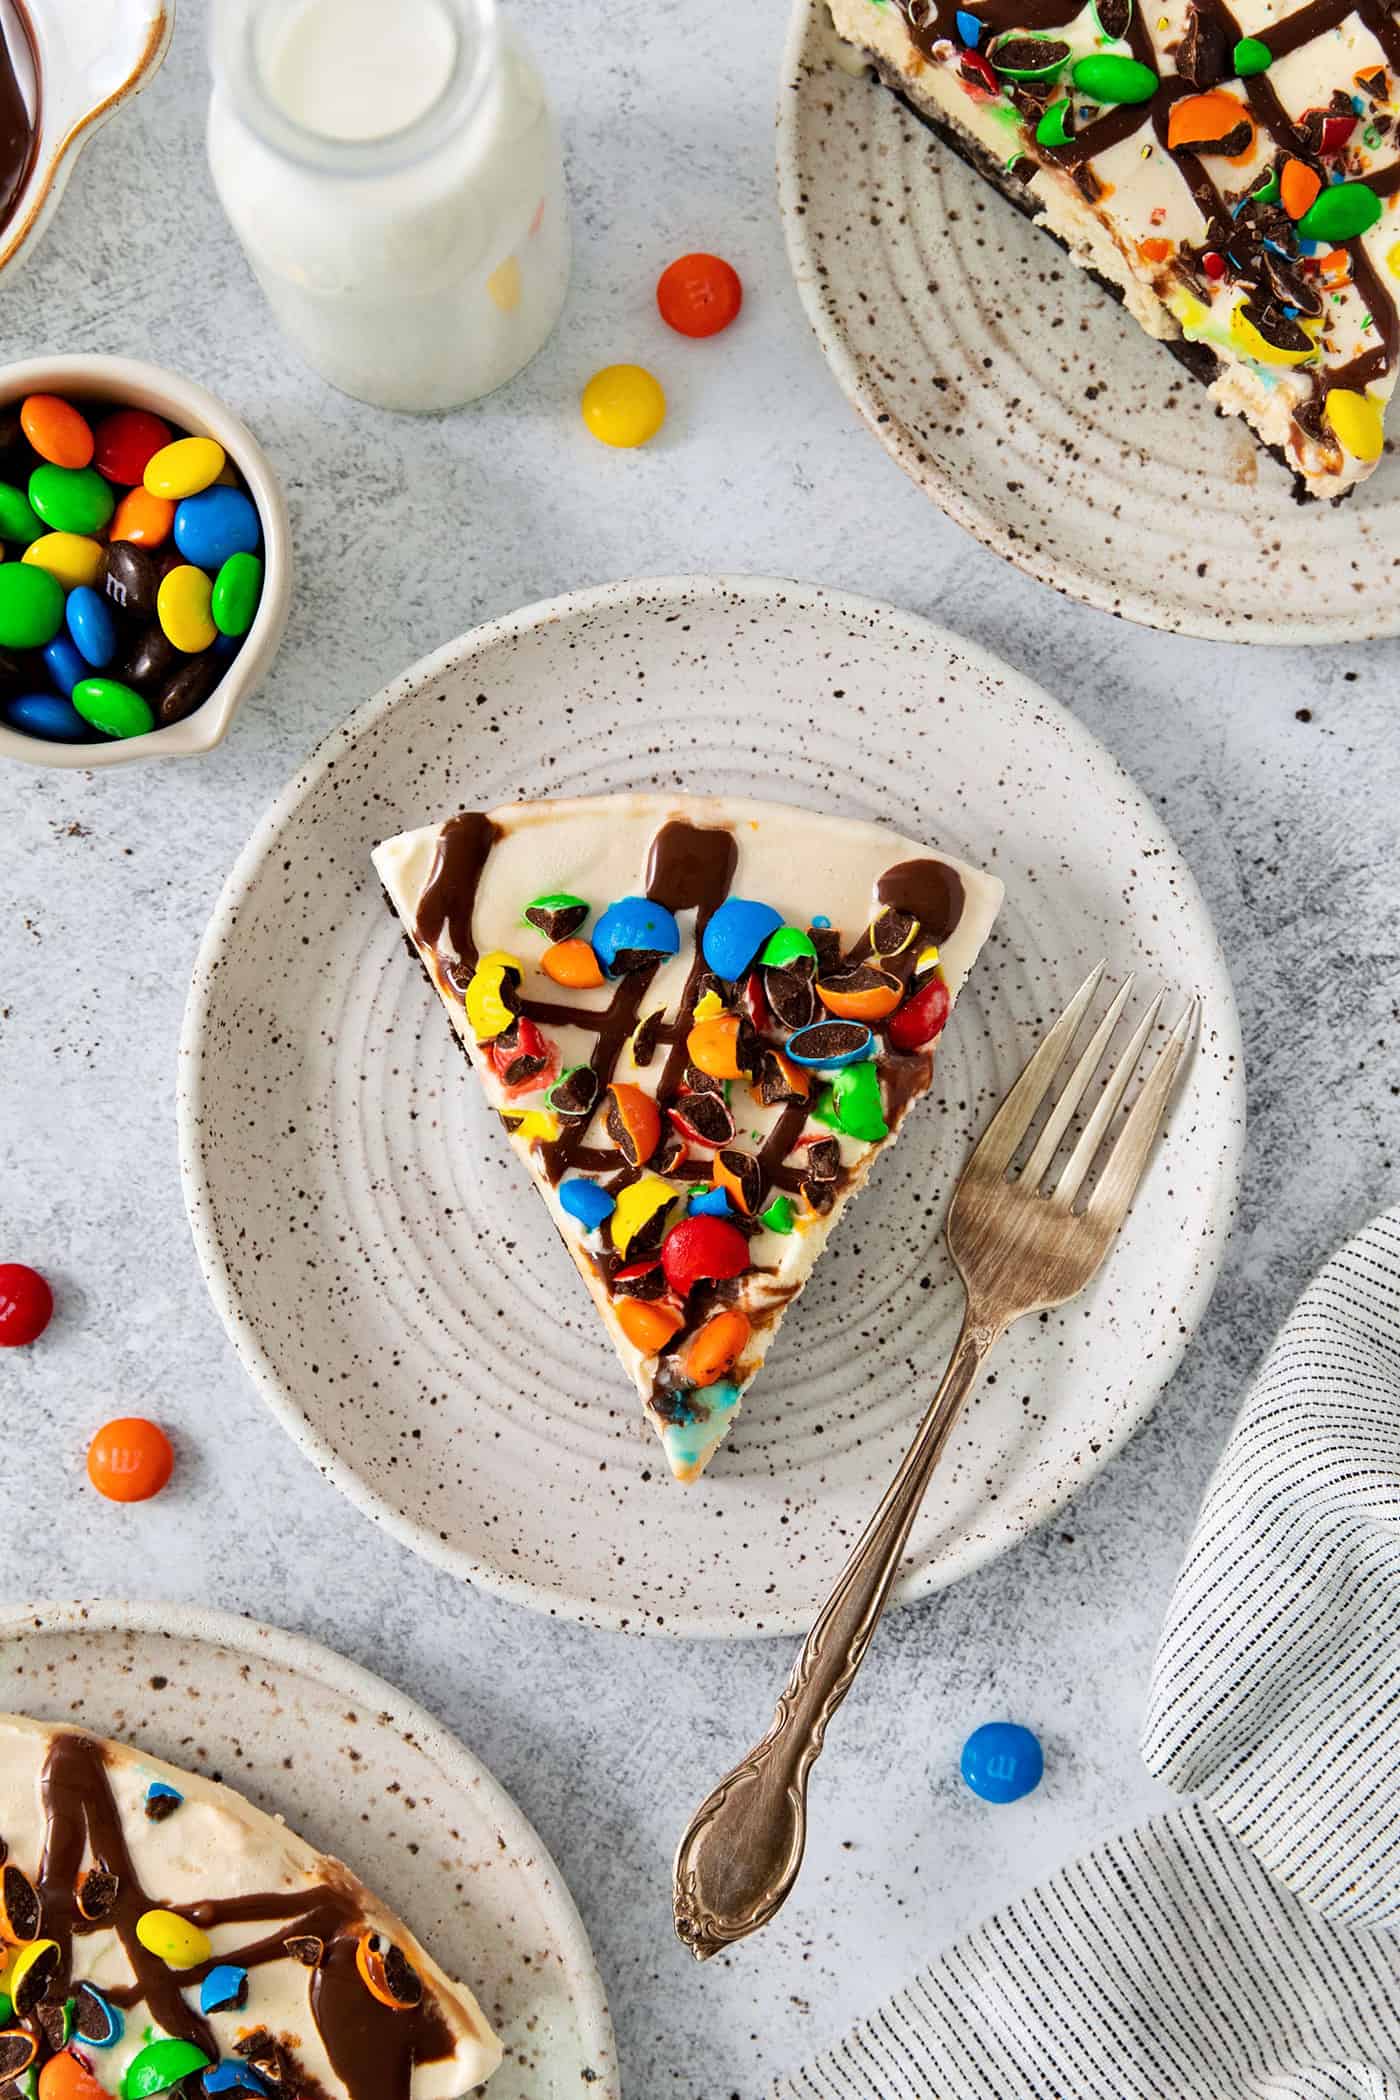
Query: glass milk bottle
[(392, 170)]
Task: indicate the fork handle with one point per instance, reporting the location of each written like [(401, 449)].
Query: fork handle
[(737, 1862)]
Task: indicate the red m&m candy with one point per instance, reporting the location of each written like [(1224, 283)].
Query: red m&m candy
[(26, 1305), (699, 294), (130, 1460), (126, 442)]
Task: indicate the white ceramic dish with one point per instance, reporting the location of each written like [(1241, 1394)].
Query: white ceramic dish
[(448, 1849), (394, 1285), (129, 383), (1029, 406), (94, 55)]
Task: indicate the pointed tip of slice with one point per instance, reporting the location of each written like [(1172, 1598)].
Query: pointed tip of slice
[(691, 1443)]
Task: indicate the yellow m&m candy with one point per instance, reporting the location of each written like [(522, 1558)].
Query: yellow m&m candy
[(623, 406), (172, 1939), (71, 557), (184, 468), (182, 607), (1356, 420)]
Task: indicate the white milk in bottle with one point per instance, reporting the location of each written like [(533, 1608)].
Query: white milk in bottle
[(392, 170)]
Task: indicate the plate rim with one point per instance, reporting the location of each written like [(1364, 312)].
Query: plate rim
[(804, 23), (287, 1649), (199, 1207)]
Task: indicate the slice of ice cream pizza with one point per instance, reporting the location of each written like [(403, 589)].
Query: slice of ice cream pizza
[(701, 1021), (160, 1935)]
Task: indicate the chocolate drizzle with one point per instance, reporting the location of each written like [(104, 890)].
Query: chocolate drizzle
[(372, 2047), (19, 121), (449, 896)]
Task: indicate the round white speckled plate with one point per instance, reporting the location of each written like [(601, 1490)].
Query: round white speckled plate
[(1028, 405), (376, 1782), (396, 1288)]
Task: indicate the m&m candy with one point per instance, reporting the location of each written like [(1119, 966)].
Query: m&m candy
[(131, 569), (130, 1460), (623, 406), (26, 1305), (1002, 1762), (698, 295)]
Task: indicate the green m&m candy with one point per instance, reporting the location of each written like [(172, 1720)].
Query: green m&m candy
[(778, 1216), (17, 519), (71, 499), (784, 946), (31, 606), (1251, 55), (159, 2066), (112, 707), (1106, 77), (852, 1104), (1054, 126), (237, 589), (1340, 212)]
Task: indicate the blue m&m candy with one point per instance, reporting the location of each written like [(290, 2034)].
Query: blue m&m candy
[(215, 524), (92, 627), (1001, 1761), (712, 1203), (735, 933), (634, 927), (587, 1202), (49, 715), (65, 664)]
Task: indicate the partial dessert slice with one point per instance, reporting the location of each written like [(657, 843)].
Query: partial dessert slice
[(1232, 175), (701, 1021), (172, 1938)]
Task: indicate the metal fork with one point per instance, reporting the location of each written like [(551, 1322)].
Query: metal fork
[(1017, 1251)]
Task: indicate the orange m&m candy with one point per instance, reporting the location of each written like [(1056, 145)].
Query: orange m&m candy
[(67, 2077), (699, 294), (142, 518), (647, 1325), (130, 1460), (56, 430)]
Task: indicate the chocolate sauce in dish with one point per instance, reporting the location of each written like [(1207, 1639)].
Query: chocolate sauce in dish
[(372, 2047), (19, 105)]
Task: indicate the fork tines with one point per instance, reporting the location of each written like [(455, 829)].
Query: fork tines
[(1032, 1092)]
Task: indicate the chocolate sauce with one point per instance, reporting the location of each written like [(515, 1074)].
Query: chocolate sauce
[(372, 2047), (449, 898), (19, 119), (928, 889)]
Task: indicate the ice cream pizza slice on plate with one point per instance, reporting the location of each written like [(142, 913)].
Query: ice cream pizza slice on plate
[(701, 1021), (160, 1934)]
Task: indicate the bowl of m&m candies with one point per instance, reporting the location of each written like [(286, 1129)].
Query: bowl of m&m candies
[(145, 563)]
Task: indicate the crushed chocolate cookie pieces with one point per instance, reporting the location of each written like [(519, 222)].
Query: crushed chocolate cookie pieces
[(824, 1159), (791, 993), (827, 942), (305, 1948), (703, 1118), (97, 1892)]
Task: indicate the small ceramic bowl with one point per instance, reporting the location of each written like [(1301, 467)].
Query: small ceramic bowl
[(93, 55), (127, 383)]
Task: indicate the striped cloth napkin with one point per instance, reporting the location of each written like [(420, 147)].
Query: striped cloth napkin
[(1236, 1948)]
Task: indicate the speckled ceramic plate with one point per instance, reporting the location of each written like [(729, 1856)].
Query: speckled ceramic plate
[(1028, 405), (395, 1286), (447, 1848)]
